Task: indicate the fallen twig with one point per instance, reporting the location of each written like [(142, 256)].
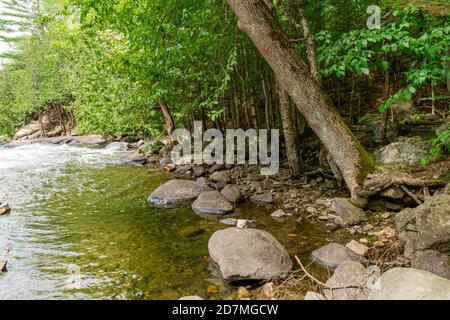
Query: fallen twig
[(411, 194)]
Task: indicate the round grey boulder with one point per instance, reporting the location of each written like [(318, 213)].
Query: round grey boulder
[(406, 151), (248, 254), (212, 202), (175, 192)]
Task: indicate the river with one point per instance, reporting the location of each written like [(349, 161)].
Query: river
[(81, 228)]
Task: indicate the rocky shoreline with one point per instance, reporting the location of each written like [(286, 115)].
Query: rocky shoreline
[(242, 252)]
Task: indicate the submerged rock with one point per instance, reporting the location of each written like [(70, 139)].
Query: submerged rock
[(212, 202), (410, 284), (280, 214), (4, 208), (406, 151), (248, 254), (175, 192), (229, 222), (333, 254), (350, 277), (347, 213)]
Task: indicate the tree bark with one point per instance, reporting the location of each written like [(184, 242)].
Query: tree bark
[(167, 118), (290, 133), (258, 22), (310, 46)]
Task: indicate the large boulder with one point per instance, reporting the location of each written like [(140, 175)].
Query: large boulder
[(212, 202), (333, 254), (348, 282), (347, 213), (428, 224), (433, 223), (406, 151), (432, 261), (175, 192), (248, 254), (410, 284), (28, 130)]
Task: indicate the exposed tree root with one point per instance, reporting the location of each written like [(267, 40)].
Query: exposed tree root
[(378, 184)]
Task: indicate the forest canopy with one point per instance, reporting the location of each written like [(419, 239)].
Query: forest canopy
[(109, 64)]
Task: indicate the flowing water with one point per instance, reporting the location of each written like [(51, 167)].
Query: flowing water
[(81, 228)]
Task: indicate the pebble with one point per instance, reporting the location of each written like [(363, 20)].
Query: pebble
[(311, 210), (364, 241), (242, 224), (280, 214), (368, 227), (386, 215), (357, 247)]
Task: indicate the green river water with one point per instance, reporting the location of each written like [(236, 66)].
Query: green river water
[(81, 228)]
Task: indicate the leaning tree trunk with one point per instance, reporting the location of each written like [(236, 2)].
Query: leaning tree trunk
[(290, 133), (258, 22), (167, 118)]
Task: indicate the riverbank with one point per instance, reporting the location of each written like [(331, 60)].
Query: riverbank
[(311, 214)]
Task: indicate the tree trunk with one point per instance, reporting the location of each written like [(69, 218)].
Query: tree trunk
[(167, 118), (41, 123), (290, 133), (310, 47), (258, 22)]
